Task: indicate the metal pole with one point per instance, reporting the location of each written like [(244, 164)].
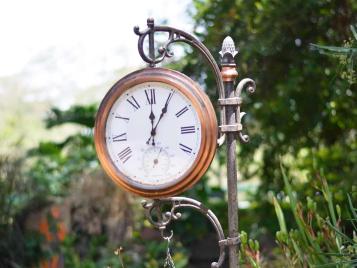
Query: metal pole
[(229, 74), (150, 23), (232, 185), (230, 130)]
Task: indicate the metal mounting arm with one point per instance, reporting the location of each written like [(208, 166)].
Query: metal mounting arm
[(164, 218), (230, 129), (175, 36)]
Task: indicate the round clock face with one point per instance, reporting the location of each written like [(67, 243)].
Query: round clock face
[(155, 132)]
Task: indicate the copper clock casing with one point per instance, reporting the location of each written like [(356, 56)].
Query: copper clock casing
[(205, 112)]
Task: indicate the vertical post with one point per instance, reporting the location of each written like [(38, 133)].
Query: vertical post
[(150, 23), (229, 74)]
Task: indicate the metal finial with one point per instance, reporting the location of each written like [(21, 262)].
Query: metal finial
[(228, 47)]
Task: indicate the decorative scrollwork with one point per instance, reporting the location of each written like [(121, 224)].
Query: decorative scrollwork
[(247, 83), (164, 51), (250, 86), (154, 209), (161, 219), (176, 35)]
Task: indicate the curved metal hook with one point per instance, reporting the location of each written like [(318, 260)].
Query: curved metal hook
[(183, 202), (163, 219), (164, 50), (250, 86), (165, 237), (245, 83), (176, 35)]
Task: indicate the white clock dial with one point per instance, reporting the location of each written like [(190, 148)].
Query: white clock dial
[(153, 135)]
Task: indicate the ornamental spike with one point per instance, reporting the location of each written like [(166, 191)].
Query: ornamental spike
[(228, 47)]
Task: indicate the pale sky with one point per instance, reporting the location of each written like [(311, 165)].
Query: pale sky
[(57, 47), (55, 50)]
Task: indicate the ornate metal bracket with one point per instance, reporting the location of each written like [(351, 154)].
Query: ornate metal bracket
[(154, 209), (248, 84), (161, 219), (229, 74), (175, 36)]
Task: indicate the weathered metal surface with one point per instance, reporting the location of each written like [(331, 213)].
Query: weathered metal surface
[(205, 113), (164, 218), (230, 129), (175, 36), (231, 163)]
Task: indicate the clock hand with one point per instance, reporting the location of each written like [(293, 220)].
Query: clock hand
[(156, 160), (163, 111), (152, 118)]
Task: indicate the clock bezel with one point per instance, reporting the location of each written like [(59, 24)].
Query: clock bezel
[(201, 104)]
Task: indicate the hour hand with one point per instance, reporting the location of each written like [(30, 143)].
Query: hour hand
[(152, 137), (163, 111), (152, 118)]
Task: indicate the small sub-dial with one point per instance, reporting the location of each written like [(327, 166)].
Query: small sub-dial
[(156, 161)]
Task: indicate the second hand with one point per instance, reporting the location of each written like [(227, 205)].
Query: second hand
[(156, 160)]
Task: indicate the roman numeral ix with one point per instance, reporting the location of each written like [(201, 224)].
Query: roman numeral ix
[(123, 118), (150, 96), (185, 148), (188, 130), (125, 154)]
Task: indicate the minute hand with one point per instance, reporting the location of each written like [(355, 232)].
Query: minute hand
[(163, 111)]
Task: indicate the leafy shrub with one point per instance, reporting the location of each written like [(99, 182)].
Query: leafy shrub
[(318, 239)]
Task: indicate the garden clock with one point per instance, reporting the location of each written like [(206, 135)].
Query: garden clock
[(155, 132)]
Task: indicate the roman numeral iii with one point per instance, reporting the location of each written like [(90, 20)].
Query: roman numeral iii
[(125, 154), (185, 148), (188, 130)]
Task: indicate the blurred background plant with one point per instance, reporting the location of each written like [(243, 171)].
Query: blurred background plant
[(347, 56), (322, 238), (57, 207)]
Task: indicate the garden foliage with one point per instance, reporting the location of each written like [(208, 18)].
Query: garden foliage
[(304, 114)]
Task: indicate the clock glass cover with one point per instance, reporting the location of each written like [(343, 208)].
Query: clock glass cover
[(153, 135), (155, 132)]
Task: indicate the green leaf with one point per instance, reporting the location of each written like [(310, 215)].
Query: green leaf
[(353, 31), (333, 50), (280, 215)]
